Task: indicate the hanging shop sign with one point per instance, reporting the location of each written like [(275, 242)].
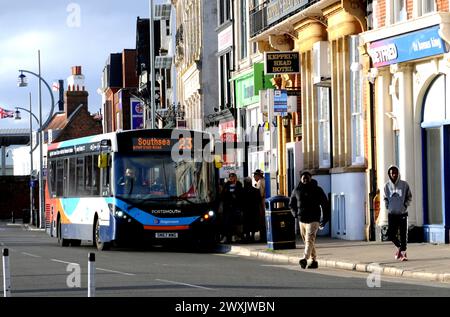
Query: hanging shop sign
[(137, 114), (409, 46), (227, 131), (281, 63)]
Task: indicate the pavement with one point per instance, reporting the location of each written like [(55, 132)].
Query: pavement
[(426, 261)]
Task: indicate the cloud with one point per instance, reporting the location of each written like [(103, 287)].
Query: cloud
[(105, 26)]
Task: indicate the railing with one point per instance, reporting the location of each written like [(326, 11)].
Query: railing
[(258, 18), (272, 12)]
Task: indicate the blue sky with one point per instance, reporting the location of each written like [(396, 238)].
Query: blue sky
[(67, 33)]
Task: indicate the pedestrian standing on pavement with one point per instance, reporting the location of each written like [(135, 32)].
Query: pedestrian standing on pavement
[(397, 197), (231, 199), (260, 184), (251, 206), (310, 205)]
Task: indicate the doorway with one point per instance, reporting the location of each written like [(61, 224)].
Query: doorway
[(436, 139)]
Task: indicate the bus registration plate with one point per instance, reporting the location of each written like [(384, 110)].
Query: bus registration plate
[(165, 235)]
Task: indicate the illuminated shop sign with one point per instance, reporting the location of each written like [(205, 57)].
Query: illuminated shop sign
[(406, 47)]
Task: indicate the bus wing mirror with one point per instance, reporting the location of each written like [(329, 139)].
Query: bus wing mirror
[(103, 160)]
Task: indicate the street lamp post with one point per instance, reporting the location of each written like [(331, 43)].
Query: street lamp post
[(17, 117), (152, 66), (23, 83)]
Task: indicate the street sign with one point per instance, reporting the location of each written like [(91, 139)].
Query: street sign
[(280, 102)]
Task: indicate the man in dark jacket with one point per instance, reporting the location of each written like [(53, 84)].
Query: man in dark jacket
[(231, 198), (309, 204)]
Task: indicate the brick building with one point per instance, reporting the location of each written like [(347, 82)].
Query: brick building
[(75, 121)]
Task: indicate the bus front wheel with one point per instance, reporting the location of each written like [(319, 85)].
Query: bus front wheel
[(100, 245)]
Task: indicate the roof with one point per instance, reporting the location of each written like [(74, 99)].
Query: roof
[(14, 136), (59, 121)]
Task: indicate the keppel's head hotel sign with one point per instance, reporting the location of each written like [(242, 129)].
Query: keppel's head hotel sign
[(281, 63)]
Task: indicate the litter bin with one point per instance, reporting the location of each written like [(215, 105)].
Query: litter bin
[(280, 223), (25, 215), (35, 218)]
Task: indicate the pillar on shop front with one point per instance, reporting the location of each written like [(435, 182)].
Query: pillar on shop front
[(385, 125), (403, 107), (308, 32)]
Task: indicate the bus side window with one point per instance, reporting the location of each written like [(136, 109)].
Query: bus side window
[(96, 177), (72, 190), (52, 178), (88, 175), (59, 178), (80, 176)]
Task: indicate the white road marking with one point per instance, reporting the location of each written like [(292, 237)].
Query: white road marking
[(32, 255), (111, 271), (59, 261), (185, 284)]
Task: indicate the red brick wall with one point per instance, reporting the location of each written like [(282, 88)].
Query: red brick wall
[(73, 99), (442, 5), (82, 125), (409, 9), (110, 117), (380, 10), (130, 78)]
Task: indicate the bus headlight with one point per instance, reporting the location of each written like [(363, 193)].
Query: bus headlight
[(117, 212), (210, 214)]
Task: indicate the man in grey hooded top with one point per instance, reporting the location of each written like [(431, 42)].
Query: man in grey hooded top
[(397, 197)]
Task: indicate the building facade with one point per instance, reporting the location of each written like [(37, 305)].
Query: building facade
[(408, 49), (327, 132), (195, 59)]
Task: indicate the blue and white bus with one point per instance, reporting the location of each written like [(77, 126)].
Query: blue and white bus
[(154, 186)]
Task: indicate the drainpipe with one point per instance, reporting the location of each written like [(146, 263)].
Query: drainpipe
[(372, 168)]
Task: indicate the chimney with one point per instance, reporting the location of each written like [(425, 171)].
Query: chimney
[(76, 80), (75, 94)]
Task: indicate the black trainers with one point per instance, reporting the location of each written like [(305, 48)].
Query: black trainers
[(314, 265), (303, 263)]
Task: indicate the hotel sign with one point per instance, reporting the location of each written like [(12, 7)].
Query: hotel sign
[(281, 63), (406, 47)]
